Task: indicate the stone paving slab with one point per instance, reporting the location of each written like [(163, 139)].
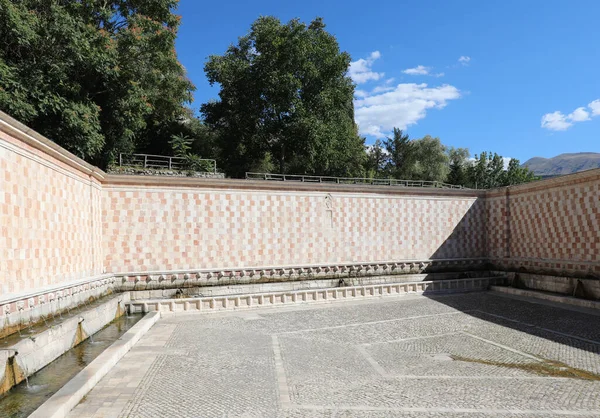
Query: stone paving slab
[(441, 356)]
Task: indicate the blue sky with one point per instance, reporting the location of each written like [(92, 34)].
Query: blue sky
[(526, 84)]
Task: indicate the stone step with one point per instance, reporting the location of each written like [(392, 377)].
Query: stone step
[(328, 295)]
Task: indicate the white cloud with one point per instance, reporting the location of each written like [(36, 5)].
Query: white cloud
[(579, 115), (376, 114), (555, 121), (422, 70), (595, 107), (418, 70), (558, 121), (360, 71), (464, 60), (381, 89), (361, 93)]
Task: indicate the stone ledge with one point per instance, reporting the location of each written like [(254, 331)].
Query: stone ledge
[(70, 395), (568, 300), (53, 299), (275, 299), (248, 275)]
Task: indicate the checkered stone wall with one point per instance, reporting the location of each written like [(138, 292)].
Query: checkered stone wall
[(153, 228), (496, 233), (551, 226), (63, 220), (49, 219)]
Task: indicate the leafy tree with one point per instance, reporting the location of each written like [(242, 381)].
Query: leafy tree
[(400, 156), (94, 76), (431, 159), (286, 99), (181, 145)]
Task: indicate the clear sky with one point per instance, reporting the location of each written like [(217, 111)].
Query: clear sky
[(518, 77)]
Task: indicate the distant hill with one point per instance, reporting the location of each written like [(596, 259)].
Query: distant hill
[(563, 164)]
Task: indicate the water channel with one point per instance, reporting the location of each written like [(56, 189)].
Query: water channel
[(26, 397)]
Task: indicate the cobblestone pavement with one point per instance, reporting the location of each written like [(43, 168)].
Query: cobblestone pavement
[(471, 355)]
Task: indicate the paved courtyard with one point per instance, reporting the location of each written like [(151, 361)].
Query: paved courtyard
[(475, 354)]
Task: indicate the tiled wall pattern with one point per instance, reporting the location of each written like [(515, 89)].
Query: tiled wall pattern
[(551, 226), (59, 224), (147, 228), (496, 215), (49, 218)]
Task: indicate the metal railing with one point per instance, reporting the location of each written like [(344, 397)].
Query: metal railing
[(160, 162), (351, 180)]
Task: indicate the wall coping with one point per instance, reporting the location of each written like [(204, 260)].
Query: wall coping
[(20, 131), (113, 180), (547, 184)]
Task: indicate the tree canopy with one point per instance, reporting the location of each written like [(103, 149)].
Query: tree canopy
[(101, 77), (285, 102), (97, 77)]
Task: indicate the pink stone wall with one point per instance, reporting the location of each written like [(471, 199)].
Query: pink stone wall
[(153, 228), (63, 220), (552, 225), (49, 218)]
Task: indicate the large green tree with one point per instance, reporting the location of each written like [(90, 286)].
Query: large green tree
[(400, 153), (285, 102), (98, 77), (431, 159)]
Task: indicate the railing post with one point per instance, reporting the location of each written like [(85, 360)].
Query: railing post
[(120, 159), (145, 161), (170, 162)]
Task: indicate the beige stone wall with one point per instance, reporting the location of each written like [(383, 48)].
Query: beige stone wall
[(548, 226), (160, 228), (64, 220), (50, 225)]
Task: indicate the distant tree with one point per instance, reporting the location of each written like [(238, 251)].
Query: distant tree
[(495, 170), (286, 99), (487, 172), (376, 160), (94, 76), (477, 172), (400, 156), (515, 174), (459, 162)]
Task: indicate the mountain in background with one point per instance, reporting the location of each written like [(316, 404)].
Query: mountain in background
[(563, 164)]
